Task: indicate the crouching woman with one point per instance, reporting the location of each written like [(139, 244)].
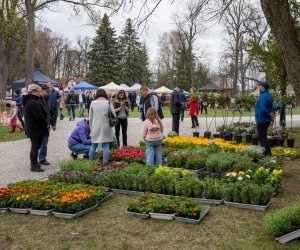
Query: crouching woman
[(80, 140)]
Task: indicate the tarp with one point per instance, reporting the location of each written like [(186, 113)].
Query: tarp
[(38, 78), (111, 87), (135, 87), (84, 86), (211, 87), (163, 90)]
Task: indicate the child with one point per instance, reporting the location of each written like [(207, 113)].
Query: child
[(14, 117), (153, 135)]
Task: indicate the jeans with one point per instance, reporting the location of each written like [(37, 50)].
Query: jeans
[(81, 108), (53, 115), (124, 124), (141, 109), (36, 143), (175, 122), (80, 148), (43, 149), (182, 114), (195, 122), (262, 131), (105, 147), (205, 108), (153, 153), (132, 104), (71, 110)]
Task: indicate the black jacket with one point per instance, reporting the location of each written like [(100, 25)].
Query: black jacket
[(72, 98), (147, 105), (36, 117), (175, 103)]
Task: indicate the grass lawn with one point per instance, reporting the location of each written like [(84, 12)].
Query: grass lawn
[(5, 135), (109, 228)]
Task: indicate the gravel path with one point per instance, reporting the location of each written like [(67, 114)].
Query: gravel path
[(15, 166)]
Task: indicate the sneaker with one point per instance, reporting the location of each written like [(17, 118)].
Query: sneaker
[(44, 162), (36, 168), (74, 156), (70, 118)]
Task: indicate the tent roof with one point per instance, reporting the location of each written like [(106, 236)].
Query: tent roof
[(38, 78), (135, 87), (84, 86), (124, 87), (163, 90), (111, 87), (211, 87)]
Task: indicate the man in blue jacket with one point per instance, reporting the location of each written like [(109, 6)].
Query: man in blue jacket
[(54, 99), (264, 113)]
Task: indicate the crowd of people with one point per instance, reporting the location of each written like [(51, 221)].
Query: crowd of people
[(42, 105)]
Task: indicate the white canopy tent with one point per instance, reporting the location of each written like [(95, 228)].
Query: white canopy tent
[(135, 87), (111, 87), (163, 90), (124, 87)]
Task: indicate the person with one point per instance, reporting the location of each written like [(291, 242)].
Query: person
[(44, 99), (53, 100), (89, 99), (203, 105), (101, 131), (62, 103), (140, 103), (163, 98), (18, 101), (80, 140), (150, 99), (71, 101), (175, 109), (194, 107), (36, 123), (153, 135), (132, 99), (14, 117), (264, 113), (183, 100), (81, 101), (121, 105)]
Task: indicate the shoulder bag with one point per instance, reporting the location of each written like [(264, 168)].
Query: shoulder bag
[(113, 120)]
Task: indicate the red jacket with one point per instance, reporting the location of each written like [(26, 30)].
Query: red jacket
[(194, 107)]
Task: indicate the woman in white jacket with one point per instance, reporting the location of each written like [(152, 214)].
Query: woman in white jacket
[(101, 131)]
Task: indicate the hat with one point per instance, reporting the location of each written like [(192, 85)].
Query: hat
[(33, 88), (179, 86), (264, 84), (71, 89), (13, 103)]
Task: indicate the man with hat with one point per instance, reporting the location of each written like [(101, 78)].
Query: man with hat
[(175, 109), (264, 113)]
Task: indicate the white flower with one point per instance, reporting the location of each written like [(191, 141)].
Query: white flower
[(250, 171), (248, 176), (233, 174), (240, 178)]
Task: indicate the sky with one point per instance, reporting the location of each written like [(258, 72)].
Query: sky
[(63, 21)]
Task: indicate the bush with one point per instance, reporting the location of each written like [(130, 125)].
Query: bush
[(283, 221), (196, 163), (83, 165)]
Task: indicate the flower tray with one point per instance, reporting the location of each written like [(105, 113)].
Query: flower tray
[(140, 215), (162, 216), (289, 158), (109, 195), (193, 221), (288, 237), (247, 206), (121, 191), (3, 210), (41, 212), (209, 201), (73, 216), (19, 210)]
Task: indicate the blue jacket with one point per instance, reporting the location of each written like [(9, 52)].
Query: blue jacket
[(264, 107), (81, 134), (54, 98)]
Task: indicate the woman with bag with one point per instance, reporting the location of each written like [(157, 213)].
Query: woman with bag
[(101, 113), (121, 105), (194, 107)]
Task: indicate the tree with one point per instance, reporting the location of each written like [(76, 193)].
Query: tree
[(104, 54)]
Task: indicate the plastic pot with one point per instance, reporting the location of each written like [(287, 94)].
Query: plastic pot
[(254, 140), (290, 143), (248, 138), (216, 135), (238, 138), (273, 142), (280, 142), (207, 134), (230, 136), (196, 134)]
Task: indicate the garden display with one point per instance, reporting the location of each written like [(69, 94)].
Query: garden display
[(284, 223), (286, 153), (167, 208), (131, 154)]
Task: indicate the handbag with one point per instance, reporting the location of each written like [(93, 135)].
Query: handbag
[(113, 120)]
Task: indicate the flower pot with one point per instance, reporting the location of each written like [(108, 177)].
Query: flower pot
[(204, 212), (273, 142), (207, 134), (223, 135), (290, 143), (248, 138), (216, 135), (140, 215), (196, 134), (162, 216), (280, 142), (3, 210), (247, 206), (72, 216), (288, 237), (230, 136), (254, 140), (19, 210), (238, 138), (41, 212)]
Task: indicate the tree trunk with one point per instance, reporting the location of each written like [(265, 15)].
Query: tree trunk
[(30, 42), (3, 68), (277, 13)]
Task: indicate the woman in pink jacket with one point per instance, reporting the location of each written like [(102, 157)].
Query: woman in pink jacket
[(153, 135)]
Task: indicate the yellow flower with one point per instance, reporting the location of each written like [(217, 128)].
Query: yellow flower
[(241, 173), (18, 198)]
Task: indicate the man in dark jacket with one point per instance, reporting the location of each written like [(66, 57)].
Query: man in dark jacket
[(53, 99), (132, 99), (36, 123), (175, 109), (150, 99), (264, 113), (71, 102)]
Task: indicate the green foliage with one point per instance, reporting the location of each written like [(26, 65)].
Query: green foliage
[(83, 165), (282, 221), (196, 163)]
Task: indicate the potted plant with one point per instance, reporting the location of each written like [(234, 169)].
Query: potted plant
[(289, 100), (139, 207), (4, 199)]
